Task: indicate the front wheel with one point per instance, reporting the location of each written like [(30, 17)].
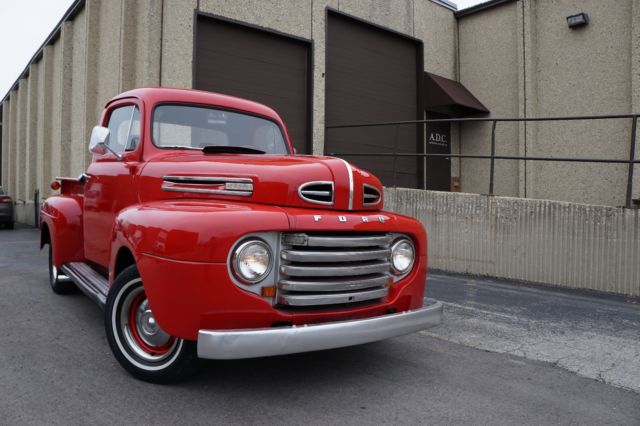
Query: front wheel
[(137, 341)]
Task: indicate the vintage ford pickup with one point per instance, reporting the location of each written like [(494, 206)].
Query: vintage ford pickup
[(202, 235)]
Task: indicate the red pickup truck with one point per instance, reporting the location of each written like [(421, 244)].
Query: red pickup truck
[(202, 235)]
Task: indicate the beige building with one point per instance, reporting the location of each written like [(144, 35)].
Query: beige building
[(346, 61)]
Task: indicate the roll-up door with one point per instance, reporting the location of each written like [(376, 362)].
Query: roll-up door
[(259, 65), (374, 75)]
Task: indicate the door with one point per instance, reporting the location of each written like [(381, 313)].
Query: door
[(258, 65), (111, 184), (374, 75), (438, 141)]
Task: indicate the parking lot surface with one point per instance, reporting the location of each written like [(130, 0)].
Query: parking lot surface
[(56, 368)]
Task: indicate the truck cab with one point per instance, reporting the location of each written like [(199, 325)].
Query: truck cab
[(203, 235)]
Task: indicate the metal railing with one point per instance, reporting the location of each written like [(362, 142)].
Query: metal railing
[(493, 157)]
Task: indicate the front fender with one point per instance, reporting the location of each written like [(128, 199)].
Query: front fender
[(181, 245), (63, 217), (195, 231)]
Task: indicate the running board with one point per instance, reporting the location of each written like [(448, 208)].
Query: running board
[(94, 285)]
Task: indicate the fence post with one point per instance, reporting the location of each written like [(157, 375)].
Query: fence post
[(632, 155), (493, 154)]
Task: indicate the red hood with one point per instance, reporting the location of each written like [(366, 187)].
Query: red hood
[(276, 179)]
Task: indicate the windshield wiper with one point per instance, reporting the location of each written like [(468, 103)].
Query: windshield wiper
[(178, 147), (223, 149)]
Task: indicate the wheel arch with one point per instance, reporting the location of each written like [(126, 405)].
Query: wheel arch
[(45, 235), (124, 259)]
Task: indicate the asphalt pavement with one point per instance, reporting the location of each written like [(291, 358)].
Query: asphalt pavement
[(56, 368)]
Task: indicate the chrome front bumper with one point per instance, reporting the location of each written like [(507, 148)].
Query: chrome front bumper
[(254, 343)]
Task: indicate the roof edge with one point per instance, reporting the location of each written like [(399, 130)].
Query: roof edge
[(71, 13), (447, 4), (480, 7)]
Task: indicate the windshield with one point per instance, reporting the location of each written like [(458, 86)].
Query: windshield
[(196, 127)]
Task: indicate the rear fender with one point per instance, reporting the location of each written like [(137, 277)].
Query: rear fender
[(62, 216)]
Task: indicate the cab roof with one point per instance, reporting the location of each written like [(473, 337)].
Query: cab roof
[(154, 95)]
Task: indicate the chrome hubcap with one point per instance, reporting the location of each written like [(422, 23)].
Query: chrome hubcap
[(148, 328), (140, 330)]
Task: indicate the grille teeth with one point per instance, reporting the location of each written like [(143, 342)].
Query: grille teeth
[(317, 192), (370, 196), (333, 269)]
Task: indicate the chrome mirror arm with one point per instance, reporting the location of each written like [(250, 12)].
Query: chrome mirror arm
[(111, 150)]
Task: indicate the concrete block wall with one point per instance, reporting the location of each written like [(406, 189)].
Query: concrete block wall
[(489, 64), (558, 243), (110, 46), (522, 60), (107, 48)]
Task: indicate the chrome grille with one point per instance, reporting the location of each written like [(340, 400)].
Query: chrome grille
[(370, 196), (333, 268), (317, 192)]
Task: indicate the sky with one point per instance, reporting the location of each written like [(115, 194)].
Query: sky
[(24, 25), (22, 32)]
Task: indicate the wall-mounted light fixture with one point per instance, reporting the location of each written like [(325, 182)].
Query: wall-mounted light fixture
[(578, 20)]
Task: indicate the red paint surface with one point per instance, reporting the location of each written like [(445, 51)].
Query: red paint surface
[(181, 241)]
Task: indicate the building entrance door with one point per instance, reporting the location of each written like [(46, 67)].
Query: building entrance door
[(438, 141)]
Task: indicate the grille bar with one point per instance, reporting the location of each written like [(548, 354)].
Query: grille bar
[(348, 241), (333, 268), (331, 299), (335, 285), (335, 256), (335, 271)]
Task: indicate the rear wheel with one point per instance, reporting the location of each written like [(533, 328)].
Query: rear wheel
[(59, 286), (137, 341)]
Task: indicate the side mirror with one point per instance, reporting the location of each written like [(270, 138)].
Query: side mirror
[(99, 142)]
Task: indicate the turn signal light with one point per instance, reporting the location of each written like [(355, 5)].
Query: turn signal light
[(55, 185), (268, 292)]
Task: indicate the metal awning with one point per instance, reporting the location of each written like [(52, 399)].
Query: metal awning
[(445, 96)]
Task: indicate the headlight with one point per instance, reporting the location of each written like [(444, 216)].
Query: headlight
[(402, 256), (252, 261)]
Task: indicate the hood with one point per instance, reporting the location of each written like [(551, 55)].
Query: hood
[(290, 180)]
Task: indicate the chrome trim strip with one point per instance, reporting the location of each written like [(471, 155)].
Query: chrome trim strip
[(321, 193), (364, 241), (335, 256), (340, 284), (253, 343), (219, 180), (350, 172), (335, 271), (364, 196), (301, 190), (174, 184), (205, 191), (333, 298)]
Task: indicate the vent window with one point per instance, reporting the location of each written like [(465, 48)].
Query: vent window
[(370, 196), (317, 192)]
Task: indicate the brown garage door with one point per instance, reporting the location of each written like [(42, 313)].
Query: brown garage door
[(374, 75), (262, 66)]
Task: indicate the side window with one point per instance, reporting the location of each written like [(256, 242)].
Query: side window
[(124, 128)]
